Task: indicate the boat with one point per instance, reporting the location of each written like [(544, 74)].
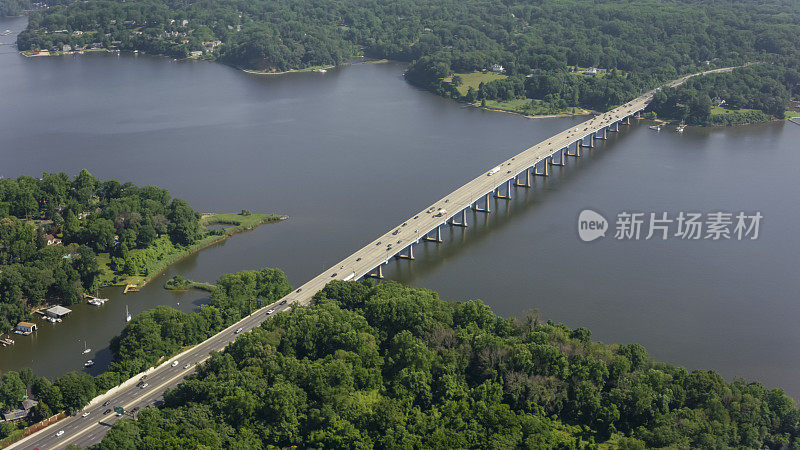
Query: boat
[(96, 301), (6, 33), (320, 70), (85, 348), (127, 314), (51, 319), (655, 127), (88, 363), (680, 128)]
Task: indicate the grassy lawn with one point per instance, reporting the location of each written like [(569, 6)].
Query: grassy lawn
[(718, 110), (474, 80), (162, 253), (531, 107), (792, 113)]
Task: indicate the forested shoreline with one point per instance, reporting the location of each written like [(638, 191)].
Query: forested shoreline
[(543, 49), (382, 364), (160, 332), (61, 238), (385, 365)]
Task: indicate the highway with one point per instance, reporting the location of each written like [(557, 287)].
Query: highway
[(84, 431)]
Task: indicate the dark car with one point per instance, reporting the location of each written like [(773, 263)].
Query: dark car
[(106, 403), (334, 274), (106, 412)]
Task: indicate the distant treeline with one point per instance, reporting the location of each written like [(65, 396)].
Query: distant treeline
[(388, 366), (645, 42), (53, 228)]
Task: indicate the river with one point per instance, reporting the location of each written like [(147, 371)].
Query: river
[(350, 153)]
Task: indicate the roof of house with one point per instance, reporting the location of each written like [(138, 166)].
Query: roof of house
[(28, 404), (59, 310), (15, 414), (26, 324)]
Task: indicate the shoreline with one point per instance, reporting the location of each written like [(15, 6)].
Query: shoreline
[(169, 260), (584, 112)]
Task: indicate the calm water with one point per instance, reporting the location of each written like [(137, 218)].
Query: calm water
[(350, 153)]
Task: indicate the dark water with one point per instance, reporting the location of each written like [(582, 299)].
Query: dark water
[(353, 152)]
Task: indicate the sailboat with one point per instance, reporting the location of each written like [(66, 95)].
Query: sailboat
[(88, 363), (85, 349), (127, 314)]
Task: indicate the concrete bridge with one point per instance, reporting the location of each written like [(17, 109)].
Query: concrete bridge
[(450, 211)]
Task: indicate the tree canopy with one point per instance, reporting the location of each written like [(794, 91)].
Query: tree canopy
[(391, 366)]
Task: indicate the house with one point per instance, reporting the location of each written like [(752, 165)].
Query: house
[(196, 53), (57, 312), (97, 45), (52, 240), (718, 101), (497, 68), (590, 71), (66, 48), (26, 328), (77, 33), (25, 410)]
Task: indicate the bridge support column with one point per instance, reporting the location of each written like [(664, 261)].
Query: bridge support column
[(409, 255), (497, 193), (546, 170), (463, 222), (589, 145), (527, 183), (627, 120), (438, 237), (377, 273), (477, 208), (615, 129), (604, 136), (576, 153), (561, 161)]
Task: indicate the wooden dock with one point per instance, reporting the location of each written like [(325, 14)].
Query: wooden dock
[(130, 288)]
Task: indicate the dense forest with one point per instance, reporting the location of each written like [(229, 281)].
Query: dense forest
[(144, 340), (543, 46), (391, 366), (55, 233)]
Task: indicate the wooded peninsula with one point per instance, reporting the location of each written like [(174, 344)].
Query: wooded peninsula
[(62, 237)]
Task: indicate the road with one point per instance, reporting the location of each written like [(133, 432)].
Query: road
[(91, 429)]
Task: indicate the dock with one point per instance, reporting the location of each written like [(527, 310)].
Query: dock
[(795, 121), (130, 288)]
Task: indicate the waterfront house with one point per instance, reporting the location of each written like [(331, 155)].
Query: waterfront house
[(26, 327), (57, 312), (66, 48), (25, 410), (497, 68), (196, 53)]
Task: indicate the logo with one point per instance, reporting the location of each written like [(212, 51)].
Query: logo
[(591, 225)]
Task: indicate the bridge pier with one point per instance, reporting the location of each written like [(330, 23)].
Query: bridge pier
[(378, 273), (477, 208), (576, 153), (604, 136), (527, 180), (615, 129), (463, 222), (589, 145), (561, 161), (409, 255), (546, 168), (627, 120), (497, 193), (436, 239)]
